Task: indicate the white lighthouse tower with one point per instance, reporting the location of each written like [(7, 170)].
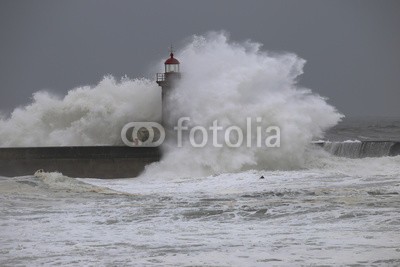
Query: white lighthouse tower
[(167, 81)]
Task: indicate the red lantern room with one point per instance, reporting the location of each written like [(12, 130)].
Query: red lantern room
[(171, 73), (171, 64)]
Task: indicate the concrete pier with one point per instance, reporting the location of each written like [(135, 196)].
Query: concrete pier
[(123, 161), (361, 149), (83, 161)]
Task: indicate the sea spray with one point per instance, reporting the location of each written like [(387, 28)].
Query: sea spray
[(88, 115), (221, 80), (231, 82)]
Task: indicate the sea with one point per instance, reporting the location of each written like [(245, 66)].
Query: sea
[(339, 210), (328, 195)]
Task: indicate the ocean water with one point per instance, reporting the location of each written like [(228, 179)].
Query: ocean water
[(334, 211), (327, 204)]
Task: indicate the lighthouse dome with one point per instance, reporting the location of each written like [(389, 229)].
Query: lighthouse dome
[(171, 60)]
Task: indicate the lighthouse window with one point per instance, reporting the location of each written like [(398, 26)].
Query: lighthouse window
[(172, 68)]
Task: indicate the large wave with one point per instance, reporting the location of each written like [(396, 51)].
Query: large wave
[(229, 82), (88, 115), (221, 80)]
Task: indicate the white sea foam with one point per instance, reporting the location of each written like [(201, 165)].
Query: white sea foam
[(337, 212), (57, 181)]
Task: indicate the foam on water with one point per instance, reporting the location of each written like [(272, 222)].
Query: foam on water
[(57, 181), (337, 211), (43, 183), (321, 168)]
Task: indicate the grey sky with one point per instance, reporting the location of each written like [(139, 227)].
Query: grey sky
[(352, 47)]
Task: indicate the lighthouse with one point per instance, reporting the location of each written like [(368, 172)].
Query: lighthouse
[(167, 80)]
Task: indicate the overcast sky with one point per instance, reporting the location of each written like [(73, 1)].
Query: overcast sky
[(352, 47)]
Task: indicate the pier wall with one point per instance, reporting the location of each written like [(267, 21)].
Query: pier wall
[(85, 162)]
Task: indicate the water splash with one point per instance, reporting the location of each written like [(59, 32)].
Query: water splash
[(223, 80), (362, 149), (88, 115), (231, 81)]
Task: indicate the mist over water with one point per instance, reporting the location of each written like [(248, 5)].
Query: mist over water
[(221, 80)]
